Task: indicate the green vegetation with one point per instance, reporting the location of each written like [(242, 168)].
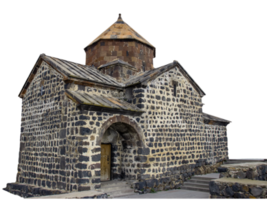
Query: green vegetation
[(152, 190)]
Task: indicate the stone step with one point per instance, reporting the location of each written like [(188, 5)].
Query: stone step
[(114, 183), (116, 188), (241, 161), (206, 186), (195, 188), (201, 178), (198, 181)]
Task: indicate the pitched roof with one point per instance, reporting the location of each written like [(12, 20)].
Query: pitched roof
[(213, 118), (89, 75), (116, 61), (147, 76), (103, 102), (121, 30), (83, 74)]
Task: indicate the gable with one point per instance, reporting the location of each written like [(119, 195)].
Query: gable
[(40, 81), (174, 79), (145, 77), (72, 72)]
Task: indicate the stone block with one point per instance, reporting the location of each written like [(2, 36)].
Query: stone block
[(235, 188)]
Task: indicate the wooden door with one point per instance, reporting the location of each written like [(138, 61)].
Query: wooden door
[(105, 161)]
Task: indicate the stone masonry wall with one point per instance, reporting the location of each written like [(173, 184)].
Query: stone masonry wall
[(47, 157), (59, 148), (130, 51), (173, 126)]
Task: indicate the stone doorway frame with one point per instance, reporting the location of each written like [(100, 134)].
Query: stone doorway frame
[(121, 119)]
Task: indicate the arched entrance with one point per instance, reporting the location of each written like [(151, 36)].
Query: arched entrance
[(120, 139)]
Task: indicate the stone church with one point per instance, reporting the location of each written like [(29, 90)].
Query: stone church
[(116, 117)]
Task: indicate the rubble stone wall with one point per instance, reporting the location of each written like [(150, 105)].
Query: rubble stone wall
[(253, 171), (60, 146), (238, 188)]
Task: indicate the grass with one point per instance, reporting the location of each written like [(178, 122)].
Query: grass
[(152, 190)]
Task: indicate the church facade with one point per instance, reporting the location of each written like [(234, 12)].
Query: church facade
[(117, 117)]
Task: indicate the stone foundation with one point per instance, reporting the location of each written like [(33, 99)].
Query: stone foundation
[(242, 180), (237, 188), (177, 177), (254, 171), (26, 191)]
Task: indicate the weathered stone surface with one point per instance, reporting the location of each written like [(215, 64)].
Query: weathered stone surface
[(250, 170), (167, 144), (237, 188)]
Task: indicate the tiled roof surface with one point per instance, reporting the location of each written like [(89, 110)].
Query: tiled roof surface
[(213, 118), (90, 75), (121, 30), (80, 71), (101, 101), (74, 70)]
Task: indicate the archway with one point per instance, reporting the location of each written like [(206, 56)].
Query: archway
[(125, 139)]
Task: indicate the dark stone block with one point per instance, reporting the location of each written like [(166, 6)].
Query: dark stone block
[(83, 158), (140, 158), (36, 190), (141, 100), (256, 191), (140, 185), (62, 173), (81, 166), (140, 106), (82, 150), (152, 183), (83, 117), (62, 163), (229, 192), (214, 188), (82, 181), (80, 123), (83, 174), (144, 151), (222, 169), (62, 150), (62, 133), (96, 180), (138, 91), (236, 187), (85, 131), (241, 175), (48, 183), (96, 157), (43, 183), (81, 87)]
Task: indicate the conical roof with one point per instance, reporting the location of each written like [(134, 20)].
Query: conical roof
[(121, 30)]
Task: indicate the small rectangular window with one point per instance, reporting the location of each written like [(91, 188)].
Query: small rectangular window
[(42, 90), (174, 83)]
